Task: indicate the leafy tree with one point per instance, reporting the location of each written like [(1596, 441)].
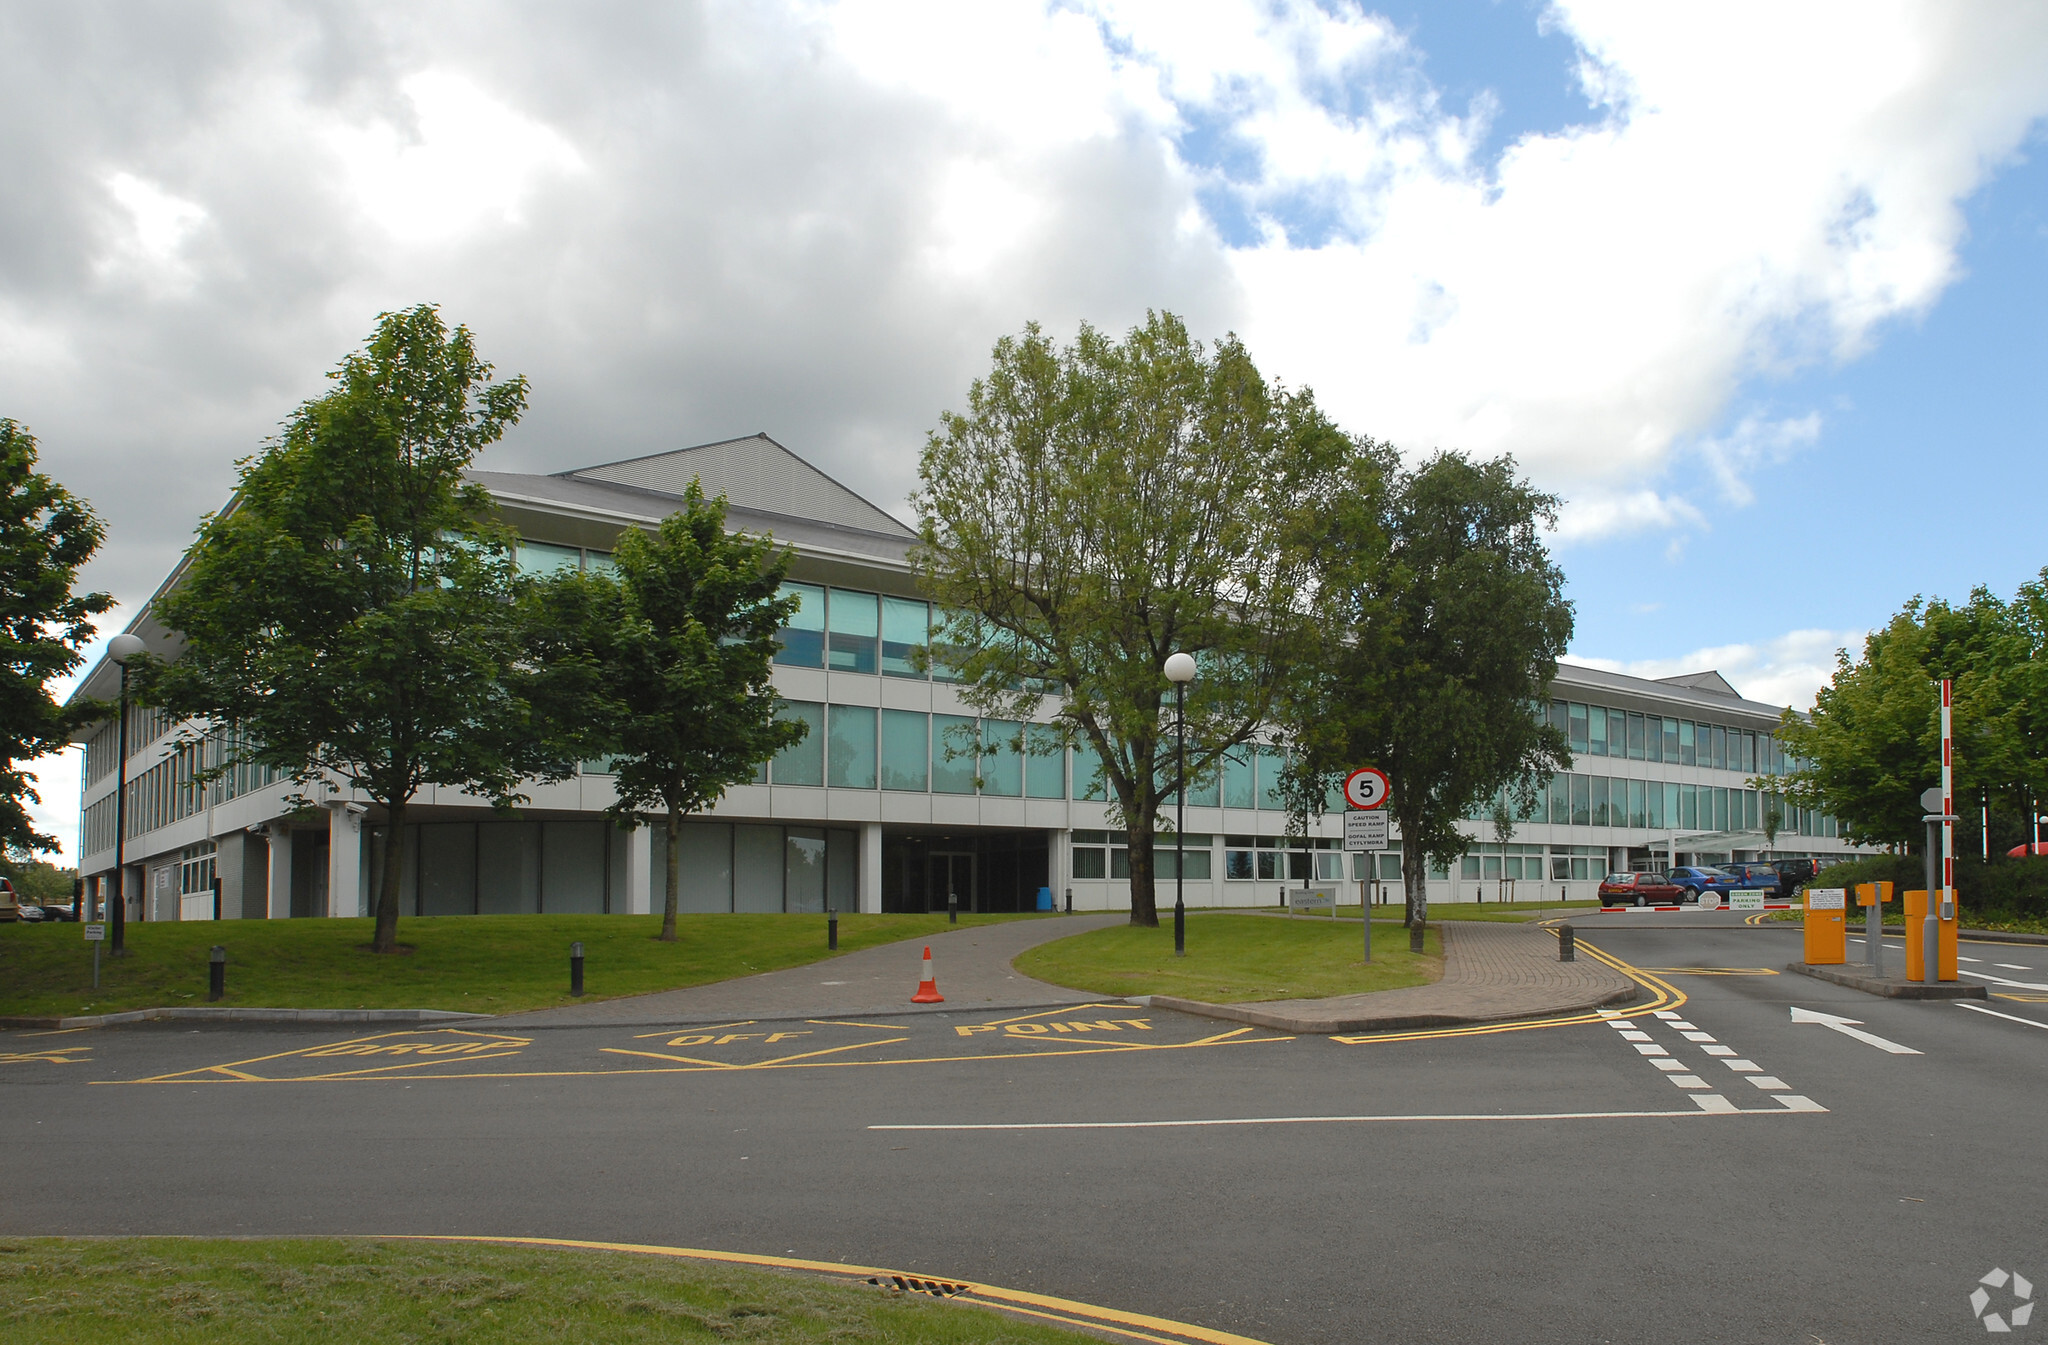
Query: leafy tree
[(669, 664), (1873, 741), (1099, 507), (1447, 618), (46, 534), (39, 882), (350, 613)]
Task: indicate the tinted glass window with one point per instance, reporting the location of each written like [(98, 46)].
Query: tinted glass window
[(855, 625), (803, 639), (905, 628), (803, 763), (905, 764)]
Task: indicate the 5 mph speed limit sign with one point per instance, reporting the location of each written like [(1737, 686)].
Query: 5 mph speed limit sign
[(1366, 787)]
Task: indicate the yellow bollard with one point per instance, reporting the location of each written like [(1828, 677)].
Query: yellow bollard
[(1827, 933), (1945, 953)]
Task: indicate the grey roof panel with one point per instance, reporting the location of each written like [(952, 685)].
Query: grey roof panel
[(752, 473)]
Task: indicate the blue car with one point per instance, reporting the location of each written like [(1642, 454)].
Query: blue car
[(1696, 879)]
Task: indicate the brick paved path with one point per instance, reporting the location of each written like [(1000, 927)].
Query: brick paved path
[(1492, 971)]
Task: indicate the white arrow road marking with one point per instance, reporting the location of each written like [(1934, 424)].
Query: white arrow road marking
[(1842, 1025), (2010, 1018)]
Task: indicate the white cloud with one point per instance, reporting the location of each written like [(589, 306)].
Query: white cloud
[(1596, 514), (1785, 670), (145, 247)]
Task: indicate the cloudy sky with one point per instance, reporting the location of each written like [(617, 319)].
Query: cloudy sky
[(1757, 288)]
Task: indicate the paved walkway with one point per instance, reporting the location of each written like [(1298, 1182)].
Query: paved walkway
[(1493, 971), (972, 967)]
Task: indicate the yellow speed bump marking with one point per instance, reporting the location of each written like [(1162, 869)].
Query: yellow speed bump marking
[(1662, 996), (1115, 1321), (54, 1055), (395, 1054)]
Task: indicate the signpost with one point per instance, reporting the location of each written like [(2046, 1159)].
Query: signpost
[(94, 935), (1365, 830), (1746, 900)]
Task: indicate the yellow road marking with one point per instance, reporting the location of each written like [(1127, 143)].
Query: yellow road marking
[(835, 1022), (707, 1027), (658, 1055), (1099, 1318), (236, 1069), (1664, 997), (1711, 971), (56, 1055), (56, 1031)]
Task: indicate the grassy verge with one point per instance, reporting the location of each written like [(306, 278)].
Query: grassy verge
[(1235, 959), (1895, 915), (474, 963), (168, 1291), (1511, 911)]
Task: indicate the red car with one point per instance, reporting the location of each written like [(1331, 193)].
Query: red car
[(1640, 889)]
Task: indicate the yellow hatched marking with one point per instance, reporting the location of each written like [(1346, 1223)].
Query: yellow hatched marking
[(1664, 996), (828, 1050), (235, 1068), (657, 1055), (56, 1055)]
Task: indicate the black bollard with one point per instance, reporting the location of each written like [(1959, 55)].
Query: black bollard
[(952, 907), (1070, 901), (832, 931), (1415, 938), (217, 972), (576, 968), (1567, 944)]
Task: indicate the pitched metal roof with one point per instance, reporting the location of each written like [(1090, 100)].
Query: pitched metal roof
[(753, 473)]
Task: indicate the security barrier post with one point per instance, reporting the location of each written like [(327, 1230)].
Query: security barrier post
[(1827, 932)]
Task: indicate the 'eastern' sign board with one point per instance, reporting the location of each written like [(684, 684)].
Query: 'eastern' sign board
[(1365, 830)]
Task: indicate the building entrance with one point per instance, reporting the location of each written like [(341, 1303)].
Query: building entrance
[(951, 873)]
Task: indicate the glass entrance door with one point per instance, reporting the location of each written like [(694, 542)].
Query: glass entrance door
[(953, 873)]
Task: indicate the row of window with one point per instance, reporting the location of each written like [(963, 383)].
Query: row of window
[(1596, 730), (1602, 801), (170, 791)]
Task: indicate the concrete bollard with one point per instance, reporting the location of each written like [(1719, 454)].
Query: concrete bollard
[(576, 968), (1415, 938), (216, 972), (1567, 944)]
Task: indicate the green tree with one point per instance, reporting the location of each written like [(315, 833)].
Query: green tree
[(350, 614), (1873, 741), (46, 534), (1446, 620), (669, 663), (1099, 507)]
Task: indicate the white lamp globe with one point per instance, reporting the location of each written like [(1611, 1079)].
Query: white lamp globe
[(1180, 668), (124, 647)]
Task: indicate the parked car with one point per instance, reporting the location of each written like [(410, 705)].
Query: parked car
[(1639, 889), (48, 910), (1752, 875), (10, 905), (1698, 878), (1794, 874)]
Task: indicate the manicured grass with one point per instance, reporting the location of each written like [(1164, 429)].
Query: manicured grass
[(474, 963), (1237, 958), (323, 1291), (1513, 911)]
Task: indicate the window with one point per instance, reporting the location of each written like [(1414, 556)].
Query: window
[(1637, 751), (1560, 800), (1002, 766), (1653, 730), (802, 763), (1089, 857), (1197, 848), (1671, 752), (906, 627), (851, 762), (1270, 762), (1206, 789), (1582, 800), (1045, 764), (1686, 753), (1596, 742), (953, 738), (1089, 782), (854, 630), (1617, 734), (948, 629), (1237, 779), (1720, 748), (1638, 809), (803, 639), (1688, 806), (538, 558), (599, 562), (1749, 753), (1575, 729), (905, 762), (1237, 857), (1601, 800), (1654, 814)]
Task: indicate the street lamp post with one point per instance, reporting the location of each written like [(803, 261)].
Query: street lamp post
[(120, 649), (1180, 670)]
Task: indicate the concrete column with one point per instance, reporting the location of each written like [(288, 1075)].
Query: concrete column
[(280, 884), (228, 867), (640, 871), (344, 859), (871, 868), (1059, 867)]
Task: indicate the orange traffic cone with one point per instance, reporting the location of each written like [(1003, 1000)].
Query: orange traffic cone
[(928, 988)]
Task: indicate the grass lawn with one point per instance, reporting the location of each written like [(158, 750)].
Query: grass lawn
[(1237, 958), (219, 1291), (474, 963)]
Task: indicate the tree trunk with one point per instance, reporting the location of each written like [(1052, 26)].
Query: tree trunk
[(1144, 892), (386, 938), (672, 877), (1414, 877)]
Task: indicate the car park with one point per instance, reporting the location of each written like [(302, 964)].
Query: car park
[(1754, 875), (1639, 889)]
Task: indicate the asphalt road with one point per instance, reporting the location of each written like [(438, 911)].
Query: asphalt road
[(1720, 1173)]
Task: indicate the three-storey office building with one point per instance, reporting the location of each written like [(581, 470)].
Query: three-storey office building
[(899, 797)]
